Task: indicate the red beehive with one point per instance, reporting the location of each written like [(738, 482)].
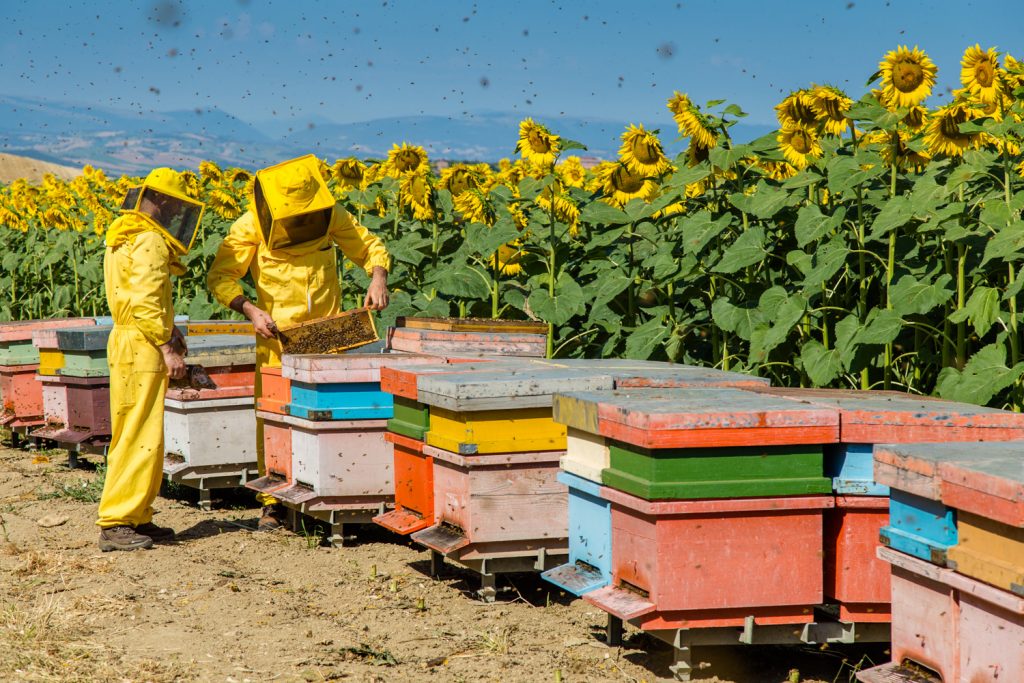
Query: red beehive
[(277, 453), (414, 487), (854, 576), (695, 563), (22, 396), (275, 391)]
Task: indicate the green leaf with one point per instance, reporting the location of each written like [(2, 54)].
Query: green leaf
[(982, 309), (643, 340), (747, 250), (812, 224), (485, 240), (985, 375), (894, 214), (821, 365), (827, 260), (462, 282), (738, 319), (688, 175), (699, 229), (847, 331), (598, 212), (407, 248), (1008, 241), (882, 327), (909, 295), (840, 171), (608, 286), (662, 264), (559, 309), (765, 202), (567, 144), (782, 312)]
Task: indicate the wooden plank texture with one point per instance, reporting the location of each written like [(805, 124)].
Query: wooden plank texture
[(21, 394), (716, 472), (346, 459), (449, 343), (988, 481), (586, 455), (697, 555), (472, 325), (341, 401), (414, 487), (18, 353), (648, 374), (275, 391), (495, 431), (855, 577), (989, 551), (851, 467), (22, 330), (348, 367), (505, 388), (411, 419), (206, 433)]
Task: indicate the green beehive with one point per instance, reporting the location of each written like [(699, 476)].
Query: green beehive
[(412, 419)]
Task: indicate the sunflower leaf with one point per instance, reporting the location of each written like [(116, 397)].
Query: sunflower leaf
[(699, 229), (747, 250), (568, 144), (894, 214), (603, 214), (567, 302), (1006, 242), (910, 295), (826, 262), (461, 281), (983, 377), (812, 224), (643, 340)]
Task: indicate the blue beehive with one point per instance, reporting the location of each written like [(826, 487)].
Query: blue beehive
[(340, 401), (851, 466), (920, 527), (590, 539)]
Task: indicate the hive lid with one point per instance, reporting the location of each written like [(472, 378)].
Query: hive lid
[(46, 338), (507, 388), (638, 374), (22, 330), (403, 381), (895, 417), (349, 367), (219, 350), (698, 417), (472, 325), (986, 479)]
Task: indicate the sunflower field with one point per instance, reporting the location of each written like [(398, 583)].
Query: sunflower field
[(870, 243)]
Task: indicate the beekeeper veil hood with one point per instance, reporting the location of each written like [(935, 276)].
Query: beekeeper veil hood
[(292, 203), (164, 199)]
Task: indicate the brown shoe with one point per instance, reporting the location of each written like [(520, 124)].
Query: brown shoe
[(160, 534), (123, 537), (271, 518)]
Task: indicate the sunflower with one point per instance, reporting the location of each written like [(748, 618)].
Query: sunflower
[(224, 204), (799, 145), (237, 175), (565, 210), (405, 159), (901, 153), (620, 185), (692, 123), (349, 173), (571, 172), (459, 178), (943, 135), (907, 77), (980, 73), (798, 109), (777, 170), (537, 143), (511, 173), (641, 152), (55, 218), (1013, 75), (474, 207), (509, 259), (209, 171), (832, 107), (916, 118), (416, 193), (192, 184)]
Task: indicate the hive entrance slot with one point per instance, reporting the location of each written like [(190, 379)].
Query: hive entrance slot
[(636, 590)]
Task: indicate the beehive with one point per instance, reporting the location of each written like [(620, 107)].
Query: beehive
[(85, 351), (277, 453), (76, 409), (275, 391), (22, 396), (455, 343), (855, 578), (205, 433), (590, 538), (414, 487)]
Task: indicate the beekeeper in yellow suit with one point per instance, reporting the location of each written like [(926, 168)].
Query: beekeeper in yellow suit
[(286, 240), (144, 245)]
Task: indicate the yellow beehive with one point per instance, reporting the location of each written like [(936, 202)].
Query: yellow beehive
[(495, 431), (50, 361), (989, 551)]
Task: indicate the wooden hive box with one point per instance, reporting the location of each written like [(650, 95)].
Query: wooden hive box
[(22, 396), (957, 627), (496, 504), (986, 479), (988, 551), (414, 487), (51, 358), (499, 411), (205, 433), (590, 539), (870, 417), (197, 328), (411, 418), (76, 409), (85, 351), (222, 351), (586, 455), (471, 325), (455, 343), (705, 442), (275, 391), (855, 577), (345, 386), (651, 374), (696, 563), (345, 461), (277, 453), (16, 347), (919, 523)]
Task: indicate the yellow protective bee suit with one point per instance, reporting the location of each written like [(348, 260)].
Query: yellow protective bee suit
[(137, 267), (293, 284)]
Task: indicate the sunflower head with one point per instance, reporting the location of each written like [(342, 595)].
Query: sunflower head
[(907, 77), (1013, 75), (641, 152), (943, 135), (832, 107), (620, 185), (571, 172), (405, 158), (692, 123), (208, 170), (349, 173), (980, 73), (537, 144), (797, 109), (799, 145), (475, 207), (459, 178), (416, 193)]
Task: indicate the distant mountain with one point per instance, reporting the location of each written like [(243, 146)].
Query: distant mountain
[(127, 141)]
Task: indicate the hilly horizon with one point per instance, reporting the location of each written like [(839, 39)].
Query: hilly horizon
[(123, 141)]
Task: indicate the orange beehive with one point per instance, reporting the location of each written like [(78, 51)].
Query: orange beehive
[(275, 391), (854, 576), (22, 396), (414, 487), (277, 453)]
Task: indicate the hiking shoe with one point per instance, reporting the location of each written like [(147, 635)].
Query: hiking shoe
[(123, 537), (160, 534), (271, 518)]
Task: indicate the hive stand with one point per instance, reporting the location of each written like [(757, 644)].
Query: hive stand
[(336, 515)]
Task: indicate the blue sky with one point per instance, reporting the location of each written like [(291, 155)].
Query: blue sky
[(299, 62)]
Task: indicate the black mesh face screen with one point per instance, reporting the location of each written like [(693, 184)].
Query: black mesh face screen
[(131, 199), (300, 229), (178, 217), (263, 216)]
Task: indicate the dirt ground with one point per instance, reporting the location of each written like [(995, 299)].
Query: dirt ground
[(226, 604)]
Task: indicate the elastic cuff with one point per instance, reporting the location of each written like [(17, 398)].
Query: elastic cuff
[(238, 304), (385, 264)]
